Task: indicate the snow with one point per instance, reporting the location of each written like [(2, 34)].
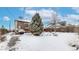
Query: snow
[(24, 20), (21, 30), (45, 42)]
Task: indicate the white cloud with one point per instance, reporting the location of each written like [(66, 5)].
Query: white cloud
[(76, 9), (45, 14), (30, 12), (71, 18), (6, 18)]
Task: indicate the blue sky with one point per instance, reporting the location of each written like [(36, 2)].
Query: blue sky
[(9, 14)]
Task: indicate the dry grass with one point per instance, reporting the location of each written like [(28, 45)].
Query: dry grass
[(2, 38)]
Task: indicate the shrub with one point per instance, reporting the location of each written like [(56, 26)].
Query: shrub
[(3, 30)]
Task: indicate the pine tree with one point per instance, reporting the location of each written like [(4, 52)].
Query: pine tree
[(36, 26)]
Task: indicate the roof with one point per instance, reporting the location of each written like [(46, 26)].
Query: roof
[(57, 26), (24, 20)]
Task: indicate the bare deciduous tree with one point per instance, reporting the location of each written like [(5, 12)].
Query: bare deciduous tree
[(53, 22)]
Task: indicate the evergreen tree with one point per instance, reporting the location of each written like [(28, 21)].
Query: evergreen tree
[(36, 26)]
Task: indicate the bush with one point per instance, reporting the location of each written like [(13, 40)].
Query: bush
[(3, 30)]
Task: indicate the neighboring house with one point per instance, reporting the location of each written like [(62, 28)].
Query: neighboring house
[(60, 28), (76, 29), (22, 25)]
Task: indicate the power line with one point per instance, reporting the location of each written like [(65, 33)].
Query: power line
[(10, 12), (12, 16)]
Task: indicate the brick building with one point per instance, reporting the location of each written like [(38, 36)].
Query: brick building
[(76, 29), (22, 25)]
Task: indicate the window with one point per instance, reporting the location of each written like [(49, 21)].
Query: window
[(19, 27)]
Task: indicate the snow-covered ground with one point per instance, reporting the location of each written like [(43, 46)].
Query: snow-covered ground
[(45, 42)]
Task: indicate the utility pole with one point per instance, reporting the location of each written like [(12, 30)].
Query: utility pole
[(24, 12), (55, 21), (10, 25)]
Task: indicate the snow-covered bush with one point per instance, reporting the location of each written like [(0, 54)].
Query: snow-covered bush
[(12, 49), (55, 34), (74, 43), (36, 26), (76, 46)]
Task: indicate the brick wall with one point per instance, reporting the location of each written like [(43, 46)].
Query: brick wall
[(22, 25)]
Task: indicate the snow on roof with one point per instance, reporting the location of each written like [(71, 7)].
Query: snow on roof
[(49, 26), (24, 20)]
